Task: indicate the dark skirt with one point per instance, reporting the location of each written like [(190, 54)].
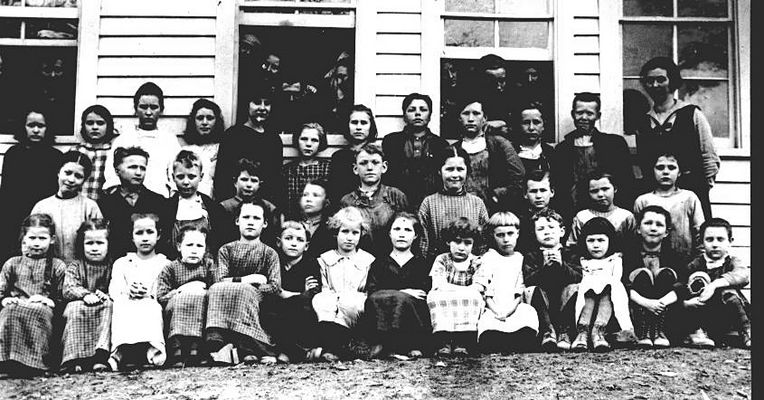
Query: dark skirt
[(395, 311), (292, 324)]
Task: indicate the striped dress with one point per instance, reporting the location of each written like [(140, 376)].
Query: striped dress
[(26, 329), (454, 309), (185, 311), (438, 209), (87, 328)]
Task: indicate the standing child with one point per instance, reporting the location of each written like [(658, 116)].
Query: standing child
[(97, 131), (716, 278), (182, 292), (506, 324), (683, 205), (30, 288), (552, 274), (398, 286), (602, 190), (69, 207), (249, 272), (136, 323), (309, 140), (601, 294), (456, 301), (361, 129), (87, 318), (344, 272)]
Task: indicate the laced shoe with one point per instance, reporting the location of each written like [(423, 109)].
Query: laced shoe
[(700, 338)]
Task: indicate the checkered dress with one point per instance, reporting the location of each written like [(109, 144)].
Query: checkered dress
[(235, 306), (26, 329), (454, 310), (86, 328), (296, 176), (438, 209), (97, 155), (184, 313)]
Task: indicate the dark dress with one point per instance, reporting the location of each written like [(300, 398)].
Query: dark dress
[(394, 315), (117, 210), (342, 180)]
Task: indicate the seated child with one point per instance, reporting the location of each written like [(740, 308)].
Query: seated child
[(654, 277), (87, 318), (538, 193), (30, 289), (506, 324), (309, 140), (249, 272), (247, 185), (344, 271), (602, 189), (69, 207), (397, 287), (136, 323), (455, 300), (314, 213), (715, 280), (182, 292), (552, 274), (377, 202), (601, 294)]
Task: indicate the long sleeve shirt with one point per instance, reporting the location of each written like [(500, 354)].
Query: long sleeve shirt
[(237, 259), (83, 278), (177, 274)]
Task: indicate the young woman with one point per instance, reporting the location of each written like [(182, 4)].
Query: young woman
[(204, 129)]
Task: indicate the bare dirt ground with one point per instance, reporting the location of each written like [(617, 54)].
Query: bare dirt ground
[(678, 373)]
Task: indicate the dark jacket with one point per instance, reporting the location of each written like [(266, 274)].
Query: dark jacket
[(632, 260), (118, 211), (216, 215)]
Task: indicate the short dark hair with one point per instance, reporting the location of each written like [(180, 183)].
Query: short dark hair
[(461, 227), (547, 213), (256, 201), (452, 151), (77, 158), (598, 226), (715, 223), (672, 70), (149, 89), (667, 154), (538, 175), (655, 209), (491, 61), (251, 167), (322, 141), (528, 105), (587, 97), (152, 216), (191, 135), (415, 96), (102, 112), (191, 227), (369, 148), (120, 153), (187, 159), (600, 174)]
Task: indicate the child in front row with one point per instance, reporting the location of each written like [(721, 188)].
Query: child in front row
[(344, 272), (552, 273), (601, 294), (456, 300), (136, 324), (715, 280), (87, 331), (182, 292), (30, 289), (506, 324)]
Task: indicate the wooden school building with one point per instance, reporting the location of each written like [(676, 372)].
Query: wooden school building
[(190, 48)]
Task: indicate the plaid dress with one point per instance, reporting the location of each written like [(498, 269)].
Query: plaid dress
[(343, 285), (184, 312), (97, 153), (453, 310), (295, 176), (235, 306), (438, 209), (86, 328), (26, 329)]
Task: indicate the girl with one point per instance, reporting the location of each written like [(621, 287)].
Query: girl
[(87, 317), (33, 159), (362, 129), (439, 209), (397, 287), (506, 324), (455, 300), (97, 131), (204, 129), (182, 292), (69, 207), (249, 272), (600, 293), (30, 288), (309, 140), (344, 272), (136, 326)]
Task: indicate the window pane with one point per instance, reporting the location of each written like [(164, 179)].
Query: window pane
[(703, 50), (642, 42), (10, 28), (51, 29), (713, 99), (521, 7), (703, 8), (476, 6), (524, 34), (463, 33), (637, 8)]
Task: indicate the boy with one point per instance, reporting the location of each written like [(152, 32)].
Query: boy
[(683, 205), (247, 186), (551, 275), (538, 194), (715, 280), (161, 145), (129, 197), (377, 202), (602, 190)]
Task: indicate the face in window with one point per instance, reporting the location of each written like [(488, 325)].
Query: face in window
[(52, 69), (417, 114), (148, 110), (95, 128), (35, 127), (342, 76), (448, 74), (532, 125), (497, 79), (204, 121), (472, 119), (529, 77), (259, 110), (656, 84), (272, 64)]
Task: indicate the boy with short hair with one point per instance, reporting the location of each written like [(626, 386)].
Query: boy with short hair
[(715, 280), (247, 183), (551, 275), (538, 195), (377, 202)]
